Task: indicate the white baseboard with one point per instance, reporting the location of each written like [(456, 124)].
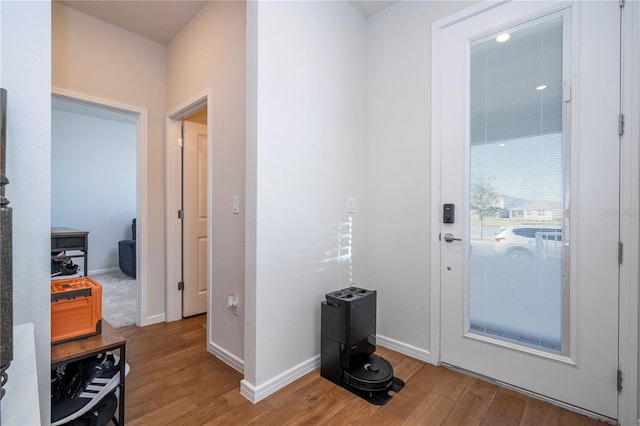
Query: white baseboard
[(248, 390), (102, 271), (153, 319), (405, 348), (258, 393), (227, 357)]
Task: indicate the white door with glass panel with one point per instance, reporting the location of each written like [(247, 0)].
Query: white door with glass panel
[(529, 161)]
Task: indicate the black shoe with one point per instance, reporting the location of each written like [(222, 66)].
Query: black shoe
[(88, 385), (100, 415), (68, 269)]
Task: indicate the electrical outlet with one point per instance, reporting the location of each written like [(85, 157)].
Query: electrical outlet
[(232, 303)]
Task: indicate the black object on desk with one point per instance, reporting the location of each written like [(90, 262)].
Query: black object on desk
[(69, 239)]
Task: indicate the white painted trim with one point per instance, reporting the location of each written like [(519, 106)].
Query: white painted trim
[(189, 106), (210, 218), (102, 271), (248, 391), (173, 261), (435, 196), (172, 195), (142, 225), (405, 348), (142, 188), (155, 319), (464, 14), (630, 214), (258, 393), (227, 357)]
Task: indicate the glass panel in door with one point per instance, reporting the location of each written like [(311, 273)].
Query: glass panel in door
[(517, 186)]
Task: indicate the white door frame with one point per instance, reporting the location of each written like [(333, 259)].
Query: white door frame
[(629, 199), (142, 190), (173, 260)]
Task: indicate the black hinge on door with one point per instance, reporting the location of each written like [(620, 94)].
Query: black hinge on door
[(620, 124), (619, 253), (180, 214), (181, 285), (619, 380)]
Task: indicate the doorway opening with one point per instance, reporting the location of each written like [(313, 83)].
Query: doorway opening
[(99, 173), (188, 209)]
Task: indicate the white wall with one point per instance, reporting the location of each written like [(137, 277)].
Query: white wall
[(398, 167), (26, 27), (93, 179), (209, 54), (97, 59), (306, 141)]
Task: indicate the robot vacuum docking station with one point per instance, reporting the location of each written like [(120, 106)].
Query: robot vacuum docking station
[(348, 343)]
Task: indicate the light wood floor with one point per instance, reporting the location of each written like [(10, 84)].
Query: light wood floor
[(174, 381)]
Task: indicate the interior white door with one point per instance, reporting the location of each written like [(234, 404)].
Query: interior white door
[(194, 190), (529, 107)]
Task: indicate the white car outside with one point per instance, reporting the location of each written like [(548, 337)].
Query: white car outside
[(529, 241)]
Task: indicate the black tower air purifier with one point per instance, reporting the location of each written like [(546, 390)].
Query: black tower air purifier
[(348, 343)]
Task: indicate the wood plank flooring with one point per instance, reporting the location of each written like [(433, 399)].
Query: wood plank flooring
[(175, 381)]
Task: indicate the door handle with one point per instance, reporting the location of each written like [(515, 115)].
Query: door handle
[(448, 237)]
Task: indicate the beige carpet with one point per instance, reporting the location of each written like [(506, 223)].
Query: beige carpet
[(119, 298)]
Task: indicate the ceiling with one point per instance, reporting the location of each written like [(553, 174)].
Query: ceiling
[(161, 20), (157, 20), (370, 7)]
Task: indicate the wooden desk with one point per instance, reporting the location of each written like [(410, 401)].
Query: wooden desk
[(86, 347), (67, 239)]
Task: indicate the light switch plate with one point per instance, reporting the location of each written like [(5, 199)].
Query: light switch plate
[(352, 204), (236, 204)]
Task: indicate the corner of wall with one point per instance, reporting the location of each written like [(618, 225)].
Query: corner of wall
[(227, 357), (26, 27)]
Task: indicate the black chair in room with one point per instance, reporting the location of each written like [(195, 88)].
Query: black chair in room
[(127, 253)]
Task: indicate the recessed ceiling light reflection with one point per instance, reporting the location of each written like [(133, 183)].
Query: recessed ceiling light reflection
[(503, 37), (541, 87)]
